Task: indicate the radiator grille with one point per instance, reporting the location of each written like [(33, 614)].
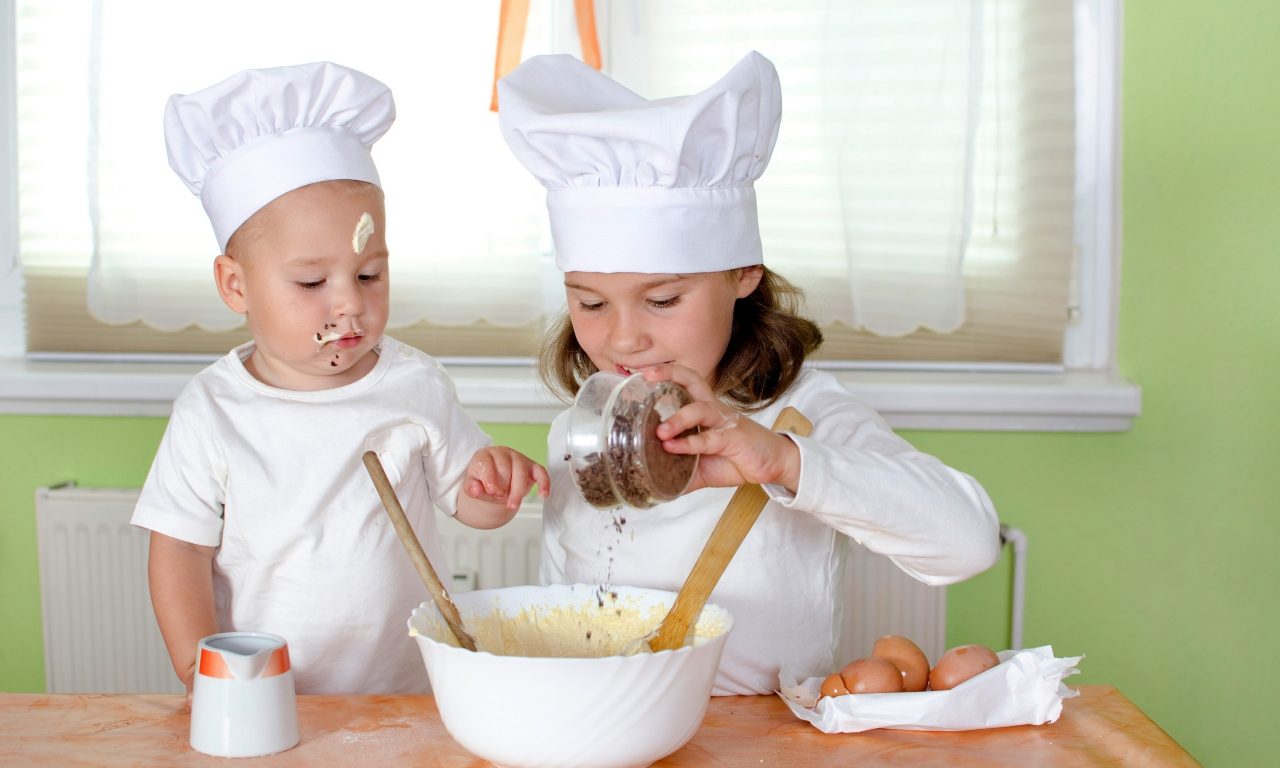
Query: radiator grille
[(881, 599), (100, 633)]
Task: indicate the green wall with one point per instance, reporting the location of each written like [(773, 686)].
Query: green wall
[(1153, 551)]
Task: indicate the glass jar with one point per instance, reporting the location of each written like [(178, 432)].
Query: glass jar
[(614, 452)]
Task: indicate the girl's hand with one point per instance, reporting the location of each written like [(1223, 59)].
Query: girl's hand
[(734, 449), (499, 474)]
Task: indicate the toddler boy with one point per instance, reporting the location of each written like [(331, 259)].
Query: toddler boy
[(262, 515)]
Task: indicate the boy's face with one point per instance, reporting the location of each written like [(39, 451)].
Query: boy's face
[(628, 321), (315, 307)]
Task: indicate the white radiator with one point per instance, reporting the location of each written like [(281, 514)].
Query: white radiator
[(880, 599), (100, 633)]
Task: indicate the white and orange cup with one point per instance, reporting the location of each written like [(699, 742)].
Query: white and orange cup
[(243, 702)]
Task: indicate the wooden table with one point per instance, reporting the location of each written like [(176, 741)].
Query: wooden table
[(1099, 728)]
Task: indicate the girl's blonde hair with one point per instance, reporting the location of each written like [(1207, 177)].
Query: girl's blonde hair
[(767, 346)]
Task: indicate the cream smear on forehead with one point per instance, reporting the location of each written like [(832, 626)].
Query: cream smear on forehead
[(364, 228)]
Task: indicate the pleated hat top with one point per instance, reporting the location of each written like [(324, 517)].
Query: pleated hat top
[(663, 186), (251, 138)]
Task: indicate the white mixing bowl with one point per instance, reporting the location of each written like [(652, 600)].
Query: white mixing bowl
[(608, 712)]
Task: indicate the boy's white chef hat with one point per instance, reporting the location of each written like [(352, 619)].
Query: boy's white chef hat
[(251, 138), (644, 186)]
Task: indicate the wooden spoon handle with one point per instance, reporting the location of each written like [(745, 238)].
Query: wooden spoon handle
[(736, 521), (410, 540)]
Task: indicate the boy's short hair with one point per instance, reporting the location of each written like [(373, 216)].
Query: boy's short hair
[(248, 232), (767, 347)]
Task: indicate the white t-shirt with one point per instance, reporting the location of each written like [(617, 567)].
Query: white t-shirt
[(274, 479), (783, 586)]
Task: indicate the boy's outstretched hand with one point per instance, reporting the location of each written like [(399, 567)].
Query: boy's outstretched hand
[(734, 449), (497, 480)]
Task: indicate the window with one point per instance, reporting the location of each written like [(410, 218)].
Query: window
[(471, 253)]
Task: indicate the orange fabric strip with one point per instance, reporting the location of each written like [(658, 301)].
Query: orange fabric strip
[(511, 23), (586, 13), (212, 665)]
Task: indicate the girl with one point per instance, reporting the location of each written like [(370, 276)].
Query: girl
[(654, 220)]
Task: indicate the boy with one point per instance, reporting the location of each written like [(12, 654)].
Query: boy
[(262, 515)]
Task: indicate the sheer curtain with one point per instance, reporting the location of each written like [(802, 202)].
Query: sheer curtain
[(923, 173), (921, 189), (868, 200), (466, 222)]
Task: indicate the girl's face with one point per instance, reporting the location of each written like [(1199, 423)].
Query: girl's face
[(627, 321)]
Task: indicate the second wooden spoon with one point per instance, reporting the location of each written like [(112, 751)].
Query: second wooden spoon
[(741, 513)]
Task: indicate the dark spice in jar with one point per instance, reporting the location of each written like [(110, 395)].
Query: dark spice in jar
[(633, 467), (669, 473), (641, 468), (593, 481), (624, 458)]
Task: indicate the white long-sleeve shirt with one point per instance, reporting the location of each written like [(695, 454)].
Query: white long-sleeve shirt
[(783, 587)]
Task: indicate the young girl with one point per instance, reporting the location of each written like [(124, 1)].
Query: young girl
[(654, 220)]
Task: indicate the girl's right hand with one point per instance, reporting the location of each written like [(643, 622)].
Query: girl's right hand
[(734, 449)]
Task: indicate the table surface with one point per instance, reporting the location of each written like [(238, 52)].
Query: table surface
[(1099, 728)]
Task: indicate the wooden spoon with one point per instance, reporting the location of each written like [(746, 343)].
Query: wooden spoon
[(740, 514), (410, 540)]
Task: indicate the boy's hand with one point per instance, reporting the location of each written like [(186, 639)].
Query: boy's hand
[(498, 476), (734, 449)]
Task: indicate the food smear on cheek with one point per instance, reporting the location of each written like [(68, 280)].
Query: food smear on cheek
[(324, 338), (364, 228)]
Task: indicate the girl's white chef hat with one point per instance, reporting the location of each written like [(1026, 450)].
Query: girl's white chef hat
[(251, 138), (644, 186)]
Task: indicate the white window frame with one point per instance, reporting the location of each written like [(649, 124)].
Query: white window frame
[(1086, 393)]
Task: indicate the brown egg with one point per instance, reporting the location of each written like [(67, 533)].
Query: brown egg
[(872, 675), (960, 664), (834, 686), (907, 657)]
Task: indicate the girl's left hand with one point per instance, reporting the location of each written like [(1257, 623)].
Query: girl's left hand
[(735, 450)]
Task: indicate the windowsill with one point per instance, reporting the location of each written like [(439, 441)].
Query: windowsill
[(1073, 401)]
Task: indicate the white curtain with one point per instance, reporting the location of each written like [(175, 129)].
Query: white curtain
[(466, 222), (868, 199), (925, 148)]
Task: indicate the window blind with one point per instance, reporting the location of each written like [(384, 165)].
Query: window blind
[(470, 247)]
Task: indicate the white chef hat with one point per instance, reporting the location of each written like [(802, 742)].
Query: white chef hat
[(644, 186), (251, 138)]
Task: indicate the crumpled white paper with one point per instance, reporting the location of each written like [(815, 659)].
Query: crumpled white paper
[(1026, 688)]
